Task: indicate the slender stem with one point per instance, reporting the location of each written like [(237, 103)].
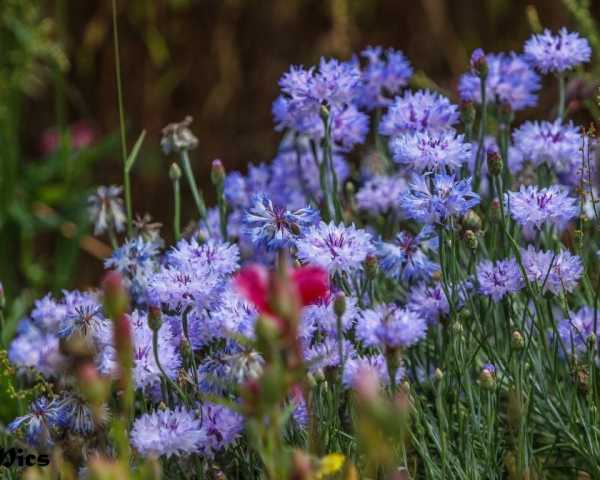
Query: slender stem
[(177, 214), (480, 146), (198, 199), (126, 181), (561, 96)]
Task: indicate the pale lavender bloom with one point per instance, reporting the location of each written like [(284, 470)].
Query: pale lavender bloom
[(553, 272), (47, 314), (168, 432), (429, 302), (418, 111), (106, 209), (234, 314), (325, 355), (533, 207), (380, 195), (337, 248), (221, 427), (386, 72), (405, 258), (435, 200), (439, 151), (34, 348), (510, 80), (220, 258), (390, 326), (275, 227), (557, 53), (499, 279), (320, 317), (357, 366), (576, 330), (240, 189), (554, 143)]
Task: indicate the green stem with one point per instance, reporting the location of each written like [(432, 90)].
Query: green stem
[(480, 146), (177, 214), (126, 180), (561, 96), (198, 198)]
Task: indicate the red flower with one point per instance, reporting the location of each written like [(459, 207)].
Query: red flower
[(311, 283)]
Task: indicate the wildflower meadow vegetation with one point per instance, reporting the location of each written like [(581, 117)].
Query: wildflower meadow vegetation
[(430, 311)]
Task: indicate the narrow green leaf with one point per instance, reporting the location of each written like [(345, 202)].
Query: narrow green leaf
[(134, 153)]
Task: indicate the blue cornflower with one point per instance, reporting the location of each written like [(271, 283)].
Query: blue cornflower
[(431, 151), (275, 227), (381, 194), (38, 423), (80, 418), (221, 427), (554, 143), (406, 257), (83, 315), (220, 258), (390, 326), (386, 72), (532, 207), (553, 272), (168, 432), (356, 366), (47, 314), (325, 355), (240, 189), (234, 314), (320, 317), (499, 279), (557, 53), (33, 348), (576, 330), (510, 80), (430, 302), (433, 200), (337, 248), (418, 111)]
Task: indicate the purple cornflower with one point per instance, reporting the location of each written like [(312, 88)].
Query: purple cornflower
[(168, 432), (42, 417), (386, 72), (557, 53), (405, 258), (380, 195), (439, 151), (499, 279), (429, 302), (106, 209), (576, 330), (32, 348), (553, 272), (275, 227), (510, 80), (320, 317), (234, 314), (418, 111), (221, 427), (325, 355), (47, 314), (557, 144), (240, 189), (220, 258), (390, 326), (532, 207), (433, 200), (355, 367), (337, 248)]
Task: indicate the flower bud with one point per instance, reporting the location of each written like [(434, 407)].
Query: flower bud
[(467, 112), (495, 163), (479, 64), (324, 113), (116, 301), (339, 304), (495, 212), (177, 137), (174, 172), (470, 239), (438, 375), (94, 388), (471, 221), (371, 266), (517, 341), (487, 377), (217, 173), (154, 318)]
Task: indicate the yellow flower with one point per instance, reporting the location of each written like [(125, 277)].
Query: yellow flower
[(330, 464)]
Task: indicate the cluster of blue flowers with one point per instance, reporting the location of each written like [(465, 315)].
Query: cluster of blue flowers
[(404, 250)]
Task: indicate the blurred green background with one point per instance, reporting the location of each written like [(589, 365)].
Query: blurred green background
[(217, 60)]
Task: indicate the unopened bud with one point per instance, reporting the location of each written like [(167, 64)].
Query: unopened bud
[(92, 385), (116, 301), (471, 221), (487, 377), (471, 240), (350, 188), (217, 173), (495, 211), (371, 266), (467, 112), (495, 163), (517, 341), (339, 304), (438, 375), (479, 64), (154, 318), (174, 172), (324, 113)]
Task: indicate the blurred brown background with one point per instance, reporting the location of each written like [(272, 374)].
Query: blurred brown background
[(220, 60)]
